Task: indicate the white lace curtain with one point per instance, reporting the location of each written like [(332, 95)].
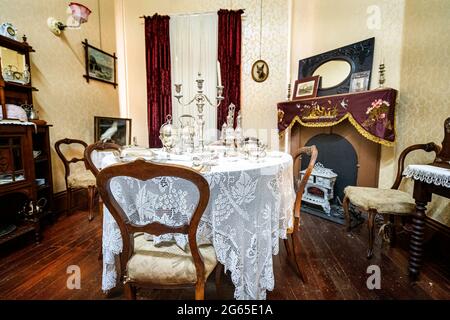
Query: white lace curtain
[(193, 49)]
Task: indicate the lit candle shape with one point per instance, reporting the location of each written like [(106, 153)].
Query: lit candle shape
[(219, 76), (177, 70)]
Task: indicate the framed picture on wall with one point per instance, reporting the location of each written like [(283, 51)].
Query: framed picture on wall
[(117, 130), (100, 65), (306, 88), (359, 81)]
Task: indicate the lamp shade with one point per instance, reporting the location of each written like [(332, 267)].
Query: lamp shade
[(79, 12)]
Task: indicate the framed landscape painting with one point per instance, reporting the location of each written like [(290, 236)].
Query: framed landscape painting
[(100, 65), (306, 88)]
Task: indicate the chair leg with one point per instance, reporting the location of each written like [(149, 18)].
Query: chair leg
[(393, 233), (100, 214), (130, 291), (100, 206), (91, 196), (371, 226), (219, 271), (296, 254), (200, 291), (345, 206), (69, 201), (287, 247)]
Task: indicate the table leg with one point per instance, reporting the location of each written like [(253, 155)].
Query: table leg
[(416, 241)]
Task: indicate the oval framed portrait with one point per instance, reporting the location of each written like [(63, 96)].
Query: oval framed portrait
[(260, 71)]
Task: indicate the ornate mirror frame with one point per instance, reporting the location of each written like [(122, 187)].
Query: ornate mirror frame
[(359, 55)]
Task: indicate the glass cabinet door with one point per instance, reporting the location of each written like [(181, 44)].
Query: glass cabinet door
[(11, 160)]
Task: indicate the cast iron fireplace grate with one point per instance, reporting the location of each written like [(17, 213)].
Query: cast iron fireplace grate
[(336, 153)]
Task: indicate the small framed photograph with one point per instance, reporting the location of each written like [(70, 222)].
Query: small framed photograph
[(306, 88), (260, 71), (100, 65), (116, 130), (359, 81)]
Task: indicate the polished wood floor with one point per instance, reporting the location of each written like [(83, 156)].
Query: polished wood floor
[(334, 262)]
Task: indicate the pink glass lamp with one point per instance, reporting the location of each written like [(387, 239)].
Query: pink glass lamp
[(79, 15)]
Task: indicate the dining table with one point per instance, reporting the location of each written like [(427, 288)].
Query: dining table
[(250, 208)]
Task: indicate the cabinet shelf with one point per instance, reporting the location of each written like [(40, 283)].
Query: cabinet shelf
[(19, 86), (40, 159), (42, 187), (24, 228)]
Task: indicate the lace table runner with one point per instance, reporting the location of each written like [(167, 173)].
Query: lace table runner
[(249, 210), (429, 174)]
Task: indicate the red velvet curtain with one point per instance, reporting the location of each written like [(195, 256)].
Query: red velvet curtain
[(159, 92), (229, 55)]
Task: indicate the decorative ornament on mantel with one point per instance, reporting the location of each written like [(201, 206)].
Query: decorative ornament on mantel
[(260, 68), (381, 71)]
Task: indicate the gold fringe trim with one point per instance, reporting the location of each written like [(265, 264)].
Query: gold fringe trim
[(350, 118), (368, 135)]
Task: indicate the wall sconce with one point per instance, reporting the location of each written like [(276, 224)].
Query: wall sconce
[(79, 14)]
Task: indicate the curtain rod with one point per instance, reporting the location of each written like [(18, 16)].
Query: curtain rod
[(190, 13)]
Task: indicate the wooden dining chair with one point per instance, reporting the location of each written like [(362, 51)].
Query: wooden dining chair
[(76, 180), (98, 147), (90, 164), (142, 264), (388, 202), (293, 247)]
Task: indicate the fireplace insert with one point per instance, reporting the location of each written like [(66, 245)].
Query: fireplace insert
[(335, 153)]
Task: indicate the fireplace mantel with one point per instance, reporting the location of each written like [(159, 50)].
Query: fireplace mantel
[(372, 113)]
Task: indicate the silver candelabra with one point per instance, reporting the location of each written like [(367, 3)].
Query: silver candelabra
[(200, 99)]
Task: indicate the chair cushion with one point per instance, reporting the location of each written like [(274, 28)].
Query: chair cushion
[(167, 264), (381, 200), (81, 179)]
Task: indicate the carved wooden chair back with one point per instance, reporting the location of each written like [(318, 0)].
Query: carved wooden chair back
[(144, 171), (443, 157), (301, 184), (67, 162), (428, 147), (98, 147)]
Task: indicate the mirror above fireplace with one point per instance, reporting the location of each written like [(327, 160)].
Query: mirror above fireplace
[(336, 66), (333, 73)]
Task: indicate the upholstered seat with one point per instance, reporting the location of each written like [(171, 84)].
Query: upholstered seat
[(167, 264), (82, 179), (382, 200), (388, 202)]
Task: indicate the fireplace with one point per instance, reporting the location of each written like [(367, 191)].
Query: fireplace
[(336, 167), (353, 158), (348, 129)]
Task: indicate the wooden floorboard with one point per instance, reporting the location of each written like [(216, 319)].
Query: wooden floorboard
[(333, 261)]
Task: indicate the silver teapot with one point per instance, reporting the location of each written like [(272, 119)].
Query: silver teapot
[(31, 209)]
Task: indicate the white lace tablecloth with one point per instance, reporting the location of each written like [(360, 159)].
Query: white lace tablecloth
[(249, 210), (429, 174)]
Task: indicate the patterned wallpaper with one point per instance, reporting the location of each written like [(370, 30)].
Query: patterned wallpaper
[(258, 99), (64, 98), (424, 92)]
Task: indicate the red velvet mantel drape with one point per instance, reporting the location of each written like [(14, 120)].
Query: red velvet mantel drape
[(159, 93), (229, 55)]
